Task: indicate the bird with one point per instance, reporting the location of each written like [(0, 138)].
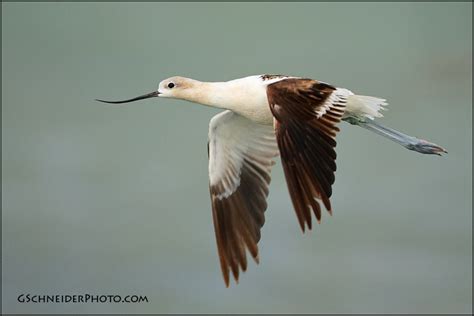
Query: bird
[(266, 116)]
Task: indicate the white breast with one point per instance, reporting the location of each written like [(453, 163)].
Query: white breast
[(247, 97)]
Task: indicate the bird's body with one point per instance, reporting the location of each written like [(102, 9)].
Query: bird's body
[(266, 116), (248, 96)]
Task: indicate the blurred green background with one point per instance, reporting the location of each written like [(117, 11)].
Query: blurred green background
[(108, 199)]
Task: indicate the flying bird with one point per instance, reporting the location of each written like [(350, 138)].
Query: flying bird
[(266, 116)]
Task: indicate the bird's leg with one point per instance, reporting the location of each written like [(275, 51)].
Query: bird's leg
[(409, 142)]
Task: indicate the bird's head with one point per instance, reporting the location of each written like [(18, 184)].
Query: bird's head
[(177, 87)]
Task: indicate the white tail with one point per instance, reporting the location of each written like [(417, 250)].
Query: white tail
[(363, 106)]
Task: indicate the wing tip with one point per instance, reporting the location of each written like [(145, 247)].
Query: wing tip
[(256, 259)]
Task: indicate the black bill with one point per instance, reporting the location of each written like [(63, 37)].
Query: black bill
[(142, 97)]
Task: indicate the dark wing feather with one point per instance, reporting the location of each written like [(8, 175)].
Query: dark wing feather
[(306, 113), (240, 160)]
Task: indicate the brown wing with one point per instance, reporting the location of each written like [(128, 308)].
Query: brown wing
[(306, 113), (240, 160)]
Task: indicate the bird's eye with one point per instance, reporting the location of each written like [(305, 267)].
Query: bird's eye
[(170, 85)]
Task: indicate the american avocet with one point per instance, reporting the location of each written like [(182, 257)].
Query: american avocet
[(267, 115)]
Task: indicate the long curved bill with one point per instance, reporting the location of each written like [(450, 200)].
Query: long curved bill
[(153, 94)]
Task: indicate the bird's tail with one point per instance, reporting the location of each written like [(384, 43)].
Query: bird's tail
[(364, 106)]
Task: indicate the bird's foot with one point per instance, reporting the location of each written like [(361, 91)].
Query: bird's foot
[(425, 147)]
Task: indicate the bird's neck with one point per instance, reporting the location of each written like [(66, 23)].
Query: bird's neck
[(245, 96), (232, 95), (213, 94)]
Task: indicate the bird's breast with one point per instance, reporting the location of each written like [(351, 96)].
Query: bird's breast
[(251, 102)]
